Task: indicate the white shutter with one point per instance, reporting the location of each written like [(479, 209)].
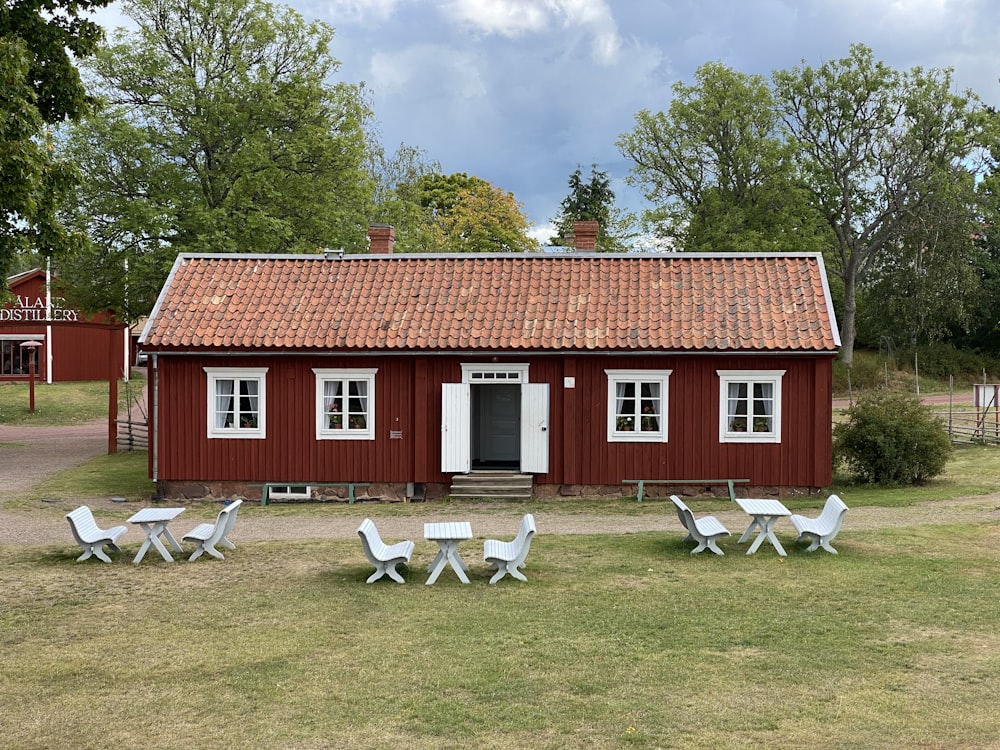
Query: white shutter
[(456, 440), (535, 428)]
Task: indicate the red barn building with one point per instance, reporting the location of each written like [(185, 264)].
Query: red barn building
[(74, 346), (410, 371)]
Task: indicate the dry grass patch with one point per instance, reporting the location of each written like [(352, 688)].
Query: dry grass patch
[(616, 641)]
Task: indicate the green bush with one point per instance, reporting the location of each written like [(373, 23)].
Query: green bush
[(891, 439), (868, 371), (942, 360)]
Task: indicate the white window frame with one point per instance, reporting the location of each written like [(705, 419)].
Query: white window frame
[(637, 378), (345, 375), (290, 492), (751, 378), (238, 375), (486, 373)]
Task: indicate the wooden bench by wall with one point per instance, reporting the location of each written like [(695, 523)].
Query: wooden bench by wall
[(707, 482)]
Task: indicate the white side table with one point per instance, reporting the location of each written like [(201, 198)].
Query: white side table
[(448, 535), (154, 522), (764, 514)]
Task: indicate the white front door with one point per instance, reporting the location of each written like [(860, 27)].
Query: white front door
[(457, 425), (455, 428), (535, 428)]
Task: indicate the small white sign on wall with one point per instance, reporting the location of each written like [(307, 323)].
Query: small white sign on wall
[(569, 382)]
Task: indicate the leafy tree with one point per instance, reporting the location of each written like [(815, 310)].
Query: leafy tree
[(39, 87), (925, 284), (872, 144), (220, 134), (470, 215), (983, 329), (891, 439), (593, 201), (397, 195), (717, 171)]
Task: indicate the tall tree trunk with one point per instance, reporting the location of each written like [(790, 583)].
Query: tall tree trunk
[(850, 313)]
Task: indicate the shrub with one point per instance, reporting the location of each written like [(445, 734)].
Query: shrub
[(891, 439)]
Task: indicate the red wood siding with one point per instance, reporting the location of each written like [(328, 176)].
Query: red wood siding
[(408, 400), (88, 348), (86, 351)]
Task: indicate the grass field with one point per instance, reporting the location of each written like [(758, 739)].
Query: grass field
[(616, 641), (60, 403)]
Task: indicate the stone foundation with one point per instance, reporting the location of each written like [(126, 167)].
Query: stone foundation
[(396, 493)]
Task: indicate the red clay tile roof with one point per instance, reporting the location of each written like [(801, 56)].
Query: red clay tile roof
[(676, 302)]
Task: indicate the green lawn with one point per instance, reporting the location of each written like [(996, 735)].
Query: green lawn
[(60, 403), (615, 641)]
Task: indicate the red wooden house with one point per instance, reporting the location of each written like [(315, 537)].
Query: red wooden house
[(408, 371), (73, 346)]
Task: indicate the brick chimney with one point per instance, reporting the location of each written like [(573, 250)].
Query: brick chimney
[(382, 237), (586, 235)]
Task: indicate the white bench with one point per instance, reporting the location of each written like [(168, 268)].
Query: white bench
[(705, 530), (207, 535), (507, 557), (822, 529), (90, 536), (384, 557)]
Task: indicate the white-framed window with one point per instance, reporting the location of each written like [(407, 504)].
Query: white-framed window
[(290, 492), (637, 406), (750, 406), (236, 402), (16, 359), (345, 404), (494, 373)]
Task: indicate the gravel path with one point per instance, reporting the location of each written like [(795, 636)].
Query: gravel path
[(28, 454)]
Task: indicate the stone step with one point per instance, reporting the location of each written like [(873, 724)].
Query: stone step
[(492, 484)]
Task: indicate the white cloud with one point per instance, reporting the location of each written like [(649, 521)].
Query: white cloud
[(351, 11), (515, 18), (505, 17)]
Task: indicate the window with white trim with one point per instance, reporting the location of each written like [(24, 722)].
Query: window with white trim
[(345, 404), (637, 406), (290, 492), (750, 406), (494, 373), (236, 402)]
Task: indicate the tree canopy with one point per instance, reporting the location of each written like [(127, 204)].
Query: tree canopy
[(875, 145), (593, 200), (220, 133), (847, 159), (717, 171), (39, 87), (470, 215)]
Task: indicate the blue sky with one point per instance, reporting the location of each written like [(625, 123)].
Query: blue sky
[(521, 92)]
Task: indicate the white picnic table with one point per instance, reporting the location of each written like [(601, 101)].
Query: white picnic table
[(154, 522), (447, 535), (764, 513)]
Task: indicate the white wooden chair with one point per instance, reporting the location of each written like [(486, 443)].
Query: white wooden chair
[(705, 530), (384, 557), (207, 535), (820, 531), (507, 557), (90, 536)]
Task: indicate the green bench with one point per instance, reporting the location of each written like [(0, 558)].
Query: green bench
[(707, 482), (265, 494)]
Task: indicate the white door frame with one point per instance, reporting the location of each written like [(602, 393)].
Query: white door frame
[(456, 416)]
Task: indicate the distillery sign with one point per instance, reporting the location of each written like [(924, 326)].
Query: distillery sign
[(33, 310)]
